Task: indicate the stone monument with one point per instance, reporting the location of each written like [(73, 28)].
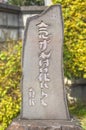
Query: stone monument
[(43, 91), (44, 103)]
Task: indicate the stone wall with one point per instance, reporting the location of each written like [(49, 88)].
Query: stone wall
[(76, 91), (9, 22), (13, 20)]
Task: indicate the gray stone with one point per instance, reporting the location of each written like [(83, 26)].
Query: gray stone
[(43, 125), (42, 83)]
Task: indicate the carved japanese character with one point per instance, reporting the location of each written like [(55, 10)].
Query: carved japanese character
[(40, 62), (40, 77), (46, 62), (44, 95), (42, 24), (43, 34), (31, 97), (46, 78), (43, 85), (45, 55), (46, 70), (41, 70), (43, 45)]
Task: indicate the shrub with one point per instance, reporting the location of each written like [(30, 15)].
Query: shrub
[(79, 110), (74, 13), (10, 73)]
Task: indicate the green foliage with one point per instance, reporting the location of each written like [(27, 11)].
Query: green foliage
[(74, 60), (10, 73), (26, 2), (83, 122), (79, 110), (74, 37)]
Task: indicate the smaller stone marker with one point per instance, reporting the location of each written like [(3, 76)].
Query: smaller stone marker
[(44, 104)]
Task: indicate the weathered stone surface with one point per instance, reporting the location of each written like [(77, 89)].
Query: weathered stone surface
[(43, 125), (43, 89)]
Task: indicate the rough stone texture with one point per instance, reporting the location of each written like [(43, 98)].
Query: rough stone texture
[(42, 64), (43, 125)]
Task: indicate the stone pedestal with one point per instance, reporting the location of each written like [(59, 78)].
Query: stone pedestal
[(21, 124)]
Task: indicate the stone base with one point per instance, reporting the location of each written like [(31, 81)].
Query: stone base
[(21, 124)]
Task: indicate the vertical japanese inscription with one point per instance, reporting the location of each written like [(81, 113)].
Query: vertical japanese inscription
[(31, 97), (42, 67), (44, 60)]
